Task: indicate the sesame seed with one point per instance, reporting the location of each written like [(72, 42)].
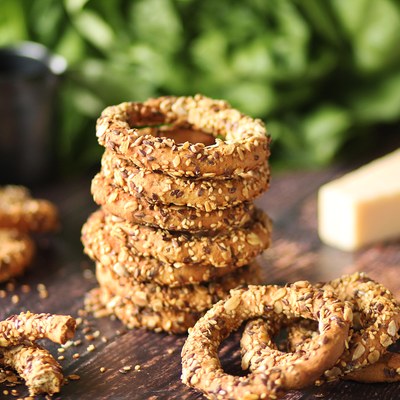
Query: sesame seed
[(91, 347)]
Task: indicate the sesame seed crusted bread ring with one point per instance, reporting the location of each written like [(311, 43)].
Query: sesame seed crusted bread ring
[(386, 369), (143, 269), (245, 144), (378, 313), (16, 253), (41, 372), (204, 194), (238, 246), (20, 211), (201, 367), (375, 310), (195, 298), (27, 326), (116, 201), (102, 303)]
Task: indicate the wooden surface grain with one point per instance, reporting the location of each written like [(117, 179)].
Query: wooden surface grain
[(67, 274)]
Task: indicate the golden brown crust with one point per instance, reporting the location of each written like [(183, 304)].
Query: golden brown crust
[(16, 252), (28, 326), (145, 269), (41, 372), (376, 312), (189, 298), (20, 211), (116, 201), (102, 303), (200, 365), (386, 369), (379, 315), (245, 145), (203, 194), (127, 264), (239, 247)]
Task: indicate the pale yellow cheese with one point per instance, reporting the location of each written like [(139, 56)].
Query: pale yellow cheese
[(363, 206)]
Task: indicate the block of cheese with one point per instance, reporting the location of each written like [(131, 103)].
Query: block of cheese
[(363, 206)]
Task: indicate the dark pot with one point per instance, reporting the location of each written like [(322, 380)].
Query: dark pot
[(29, 81)]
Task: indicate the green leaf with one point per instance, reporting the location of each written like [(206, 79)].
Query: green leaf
[(157, 23), (375, 30), (93, 28), (324, 130), (378, 101), (12, 22)]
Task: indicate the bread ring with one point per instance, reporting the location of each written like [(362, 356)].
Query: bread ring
[(27, 326), (201, 368), (374, 308), (16, 253), (204, 194), (386, 369), (102, 303), (18, 210), (144, 269), (148, 269), (238, 247), (41, 372), (195, 298), (116, 201), (245, 144)]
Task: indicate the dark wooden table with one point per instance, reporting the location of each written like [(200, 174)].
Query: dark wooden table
[(67, 275)]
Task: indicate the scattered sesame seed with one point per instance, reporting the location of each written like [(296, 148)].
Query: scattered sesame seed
[(137, 367), (102, 369), (68, 344), (15, 299), (76, 355), (74, 377), (91, 347)]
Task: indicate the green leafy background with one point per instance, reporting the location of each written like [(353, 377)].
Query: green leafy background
[(321, 73)]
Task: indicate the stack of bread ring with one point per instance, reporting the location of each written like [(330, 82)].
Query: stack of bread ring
[(177, 228)]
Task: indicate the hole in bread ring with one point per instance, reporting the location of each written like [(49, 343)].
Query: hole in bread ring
[(201, 367), (241, 143)]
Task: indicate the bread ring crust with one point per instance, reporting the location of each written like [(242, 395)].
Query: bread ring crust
[(116, 201), (385, 370), (245, 144), (377, 311), (238, 246), (28, 326), (101, 303), (201, 368), (20, 211), (16, 253), (189, 298), (204, 194), (144, 269), (41, 372)]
